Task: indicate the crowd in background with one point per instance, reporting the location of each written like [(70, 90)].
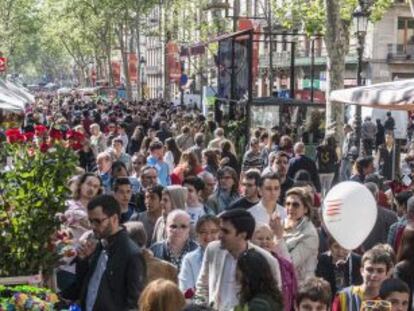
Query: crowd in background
[(169, 216)]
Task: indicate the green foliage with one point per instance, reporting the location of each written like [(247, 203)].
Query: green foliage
[(32, 193)]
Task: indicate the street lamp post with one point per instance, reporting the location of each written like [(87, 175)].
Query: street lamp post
[(142, 62), (360, 17)]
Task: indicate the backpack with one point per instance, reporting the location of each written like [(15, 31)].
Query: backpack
[(289, 282)]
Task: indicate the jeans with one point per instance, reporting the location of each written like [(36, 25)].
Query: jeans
[(326, 182), (345, 170)]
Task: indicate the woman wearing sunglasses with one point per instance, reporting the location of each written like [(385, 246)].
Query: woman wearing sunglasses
[(297, 237), (178, 242)]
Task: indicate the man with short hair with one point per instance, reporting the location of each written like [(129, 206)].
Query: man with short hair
[(375, 265), (123, 193), (122, 128), (210, 184), (216, 284), (397, 293), (110, 273), (118, 153), (194, 207), (185, 140), (250, 183), (253, 158), (104, 163), (314, 295), (269, 189), (219, 137), (303, 162), (368, 132), (198, 146), (148, 178), (156, 159), (153, 210), (281, 166), (163, 132)]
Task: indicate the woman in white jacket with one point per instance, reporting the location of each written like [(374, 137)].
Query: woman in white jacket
[(297, 238)]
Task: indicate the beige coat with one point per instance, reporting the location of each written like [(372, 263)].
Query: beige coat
[(300, 245), (209, 280)]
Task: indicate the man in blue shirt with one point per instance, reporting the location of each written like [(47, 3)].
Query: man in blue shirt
[(156, 159)]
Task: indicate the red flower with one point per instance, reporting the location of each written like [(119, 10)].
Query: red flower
[(44, 147), (76, 145), (14, 136), (56, 134), (28, 136), (40, 129), (74, 135), (189, 293)]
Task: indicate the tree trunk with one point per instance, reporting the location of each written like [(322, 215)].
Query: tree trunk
[(124, 54), (337, 45)]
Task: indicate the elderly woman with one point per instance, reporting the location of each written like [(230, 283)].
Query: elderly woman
[(178, 242), (297, 237), (173, 197), (98, 140), (207, 230)]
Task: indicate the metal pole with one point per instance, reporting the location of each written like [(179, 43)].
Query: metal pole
[(312, 68), (250, 83), (269, 25), (292, 70), (358, 117)]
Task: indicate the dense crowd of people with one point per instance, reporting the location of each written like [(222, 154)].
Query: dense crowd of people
[(166, 215)]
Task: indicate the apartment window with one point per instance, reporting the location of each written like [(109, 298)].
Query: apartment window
[(405, 38)]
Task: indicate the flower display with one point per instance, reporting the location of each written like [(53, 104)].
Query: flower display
[(22, 298), (33, 189)]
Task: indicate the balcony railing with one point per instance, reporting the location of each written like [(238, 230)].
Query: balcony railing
[(400, 52)]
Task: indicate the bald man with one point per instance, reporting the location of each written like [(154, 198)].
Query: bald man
[(301, 162)]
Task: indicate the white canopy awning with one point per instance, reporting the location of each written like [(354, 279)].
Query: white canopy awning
[(396, 95)]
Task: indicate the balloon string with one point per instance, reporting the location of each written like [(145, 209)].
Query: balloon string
[(350, 277)]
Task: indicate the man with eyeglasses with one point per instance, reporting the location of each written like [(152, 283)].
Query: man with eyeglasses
[(148, 179), (111, 272), (250, 182)]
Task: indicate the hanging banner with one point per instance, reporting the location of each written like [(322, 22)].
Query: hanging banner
[(116, 72), (173, 61), (245, 24), (132, 67)]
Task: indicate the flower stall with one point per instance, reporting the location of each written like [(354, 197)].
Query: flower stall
[(33, 189)]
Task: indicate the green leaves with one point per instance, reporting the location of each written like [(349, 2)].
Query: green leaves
[(31, 195)]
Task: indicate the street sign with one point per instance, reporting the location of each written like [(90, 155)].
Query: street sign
[(3, 62), (183, 79)]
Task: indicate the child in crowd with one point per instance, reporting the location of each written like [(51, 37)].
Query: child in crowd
[(397, 293), (314, 294), (375, 266)]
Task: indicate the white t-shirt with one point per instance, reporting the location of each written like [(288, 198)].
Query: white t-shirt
[(195, 213), (227, 298), (260, 213)]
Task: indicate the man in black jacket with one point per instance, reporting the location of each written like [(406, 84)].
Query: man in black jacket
[(302, 162), (111, 273)]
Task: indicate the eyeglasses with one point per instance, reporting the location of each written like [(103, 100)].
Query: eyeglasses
[(226, 177), (149, 177), (97, 221), (178, 226), (376, 305)]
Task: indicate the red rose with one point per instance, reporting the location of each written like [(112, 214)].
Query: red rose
[(44, 147), (76, 145), (40, 129), (74, 135), (28, 136), (14, 136), (56, 134), (189, 293)]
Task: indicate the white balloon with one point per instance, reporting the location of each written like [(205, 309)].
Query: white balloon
[(349, 213)]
